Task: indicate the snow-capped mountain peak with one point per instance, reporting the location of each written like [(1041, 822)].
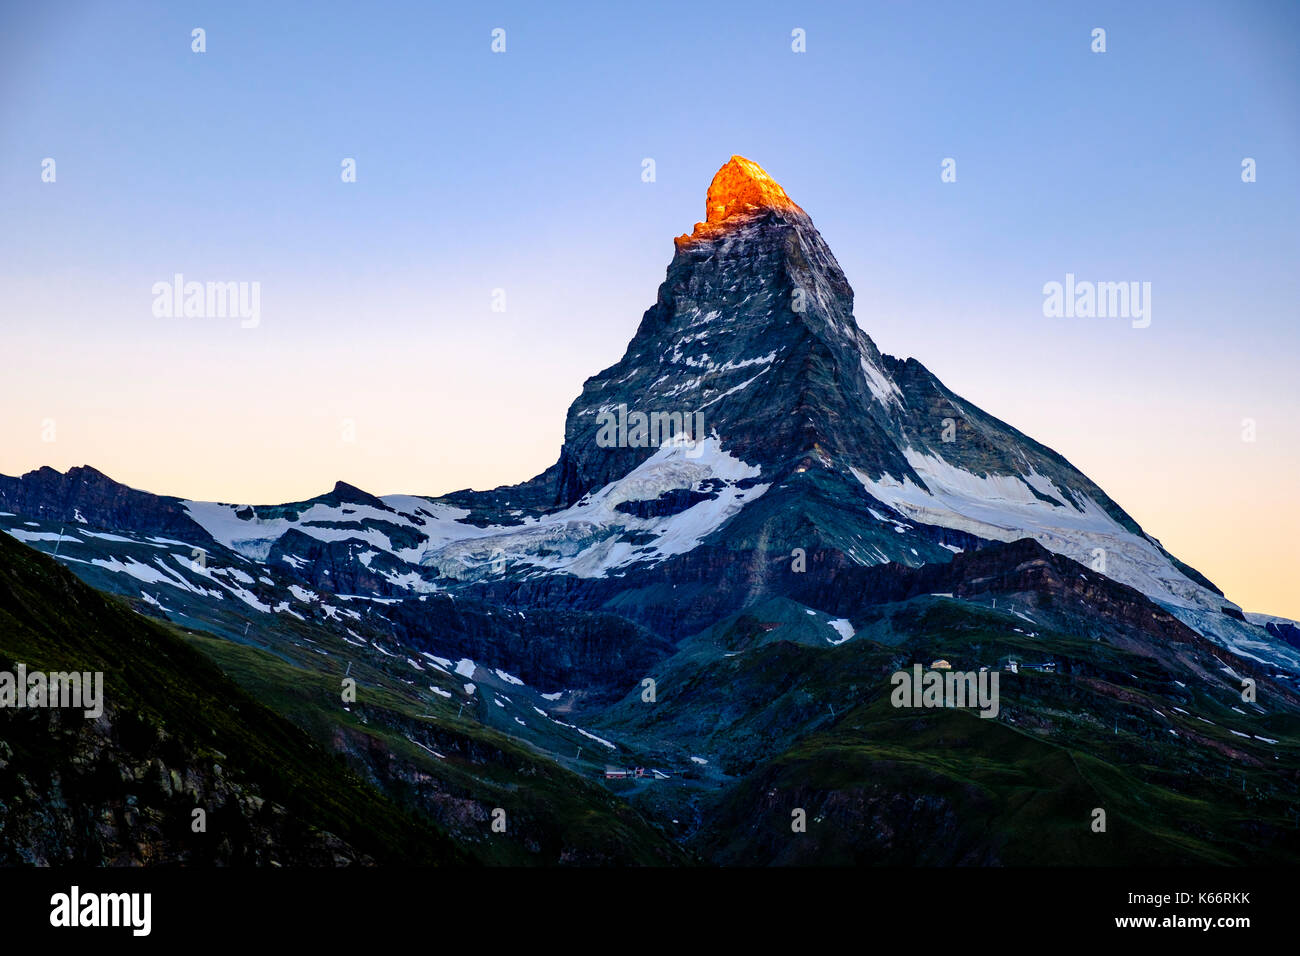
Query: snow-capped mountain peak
[(751, 414)]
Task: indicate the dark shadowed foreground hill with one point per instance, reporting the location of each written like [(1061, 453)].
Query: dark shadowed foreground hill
[(175, 735)]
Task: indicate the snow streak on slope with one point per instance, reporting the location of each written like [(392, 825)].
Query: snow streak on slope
[(1007, 507), (435, 523)]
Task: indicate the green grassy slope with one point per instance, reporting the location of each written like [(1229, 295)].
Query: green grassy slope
[(176, 734), (454, 769), (1186, 771)]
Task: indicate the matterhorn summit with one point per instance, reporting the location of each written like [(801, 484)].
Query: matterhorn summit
[(750, 429)]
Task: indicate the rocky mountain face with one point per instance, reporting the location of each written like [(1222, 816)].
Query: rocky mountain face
[(1285, 631), (87, 496), (834, 446), (753, 330)]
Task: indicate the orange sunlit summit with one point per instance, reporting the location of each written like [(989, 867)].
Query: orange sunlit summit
[(740, 186)]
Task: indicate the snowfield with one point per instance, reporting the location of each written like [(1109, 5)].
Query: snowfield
[(436, 523), (585, 539), (1005, 508)]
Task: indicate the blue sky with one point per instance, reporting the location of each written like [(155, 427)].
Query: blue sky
[(522, 171)]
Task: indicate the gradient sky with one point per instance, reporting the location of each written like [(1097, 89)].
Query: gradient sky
[(522, 171)]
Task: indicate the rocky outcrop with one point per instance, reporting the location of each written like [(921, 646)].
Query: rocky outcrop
[(86, 496), (120, 791)]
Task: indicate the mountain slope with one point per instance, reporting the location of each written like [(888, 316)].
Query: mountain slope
[(178, 734), (750, 415), (175, 735), (1104, 700)]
